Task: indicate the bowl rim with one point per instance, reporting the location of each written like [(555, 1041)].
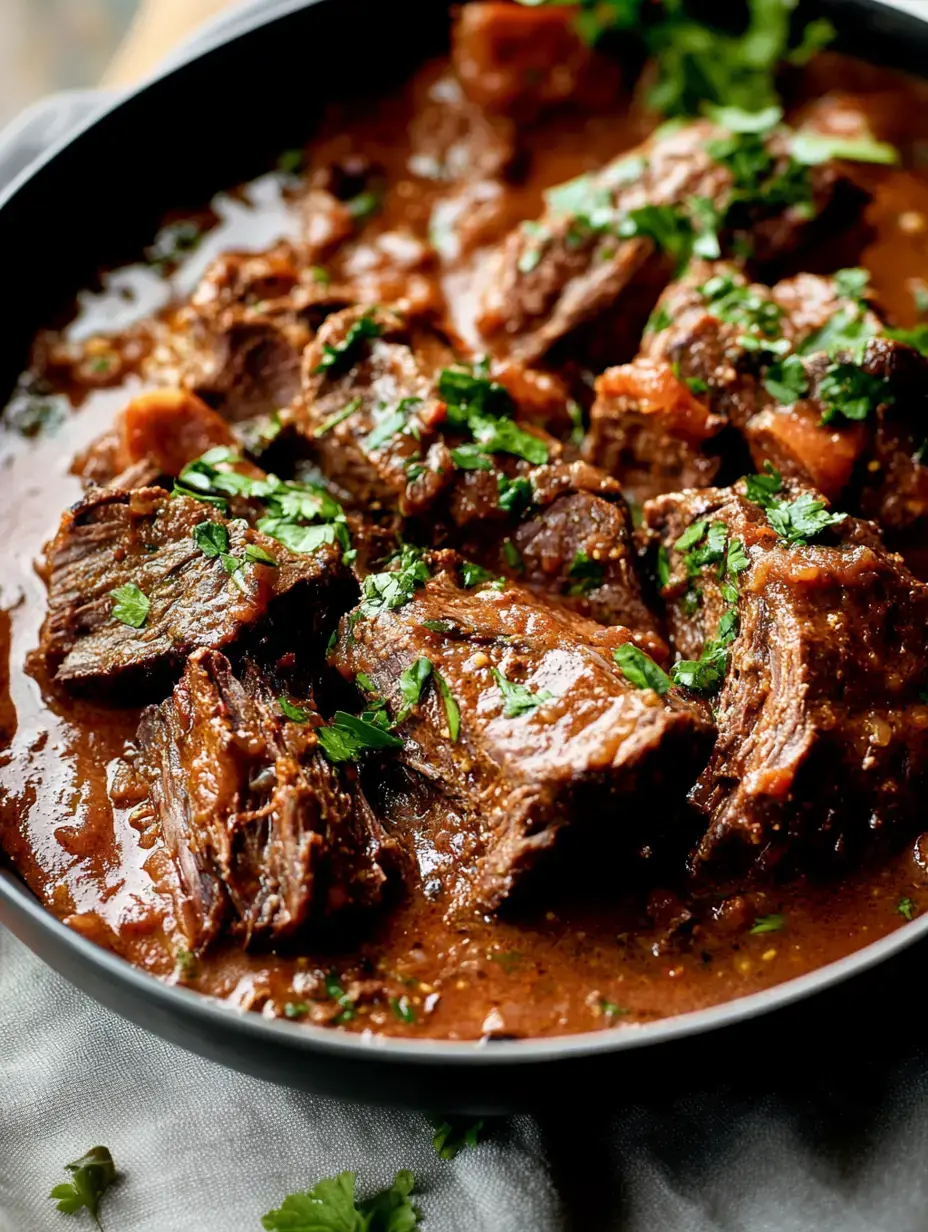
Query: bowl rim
[(188, 1003)]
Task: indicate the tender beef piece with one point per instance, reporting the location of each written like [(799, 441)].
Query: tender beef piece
[(572, 517), (521, 61), (145, 537), (388, 370), (573, 545), (548, 279), (260, 825), (156, 435), (824, 685), (872, 466), (591, 753), (650, 430)]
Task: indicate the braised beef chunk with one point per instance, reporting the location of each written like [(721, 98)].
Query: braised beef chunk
[(137, 580), (803, 375), (261, 826), (638, 217), (811, 635), (523, 61), (156, 436), (524, 724)]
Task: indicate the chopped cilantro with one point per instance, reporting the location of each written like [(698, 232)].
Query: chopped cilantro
[(767, 924), (334, 990), (390, 590), (474, 575), (484, 408), (810, 149), (337, 358), (588, 572), (411, 683), (610, 1009), (575, 411), (662, 567), (470, 457), (916, 337), (296, 1009), (660, 319), (641, 669), (393, 423), (517, 699), (452, 710), (295, 713), (130, 605), (347, 737), (339, 417), (907, 908), (402, 1009), (515, 495), (513, 556), (852, 283), (364, 206), (848, 390), (331, 1206), (786, 380)]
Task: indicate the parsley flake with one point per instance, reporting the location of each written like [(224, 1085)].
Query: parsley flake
[(131, 606)]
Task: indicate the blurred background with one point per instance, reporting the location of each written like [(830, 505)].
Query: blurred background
[(49, 45)]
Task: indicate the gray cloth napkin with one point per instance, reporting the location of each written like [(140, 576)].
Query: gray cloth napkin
[(203, 1149)]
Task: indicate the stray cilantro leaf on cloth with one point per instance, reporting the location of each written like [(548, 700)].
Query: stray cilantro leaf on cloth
[(91, 1176), (130, 605), (517, 699), (331, 1206), (640, 669), (453, 1135)]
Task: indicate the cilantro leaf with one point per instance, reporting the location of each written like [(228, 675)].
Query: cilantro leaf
[(515, 495), (387, 591), (786, 380), (452, 709), (454, 1135), (798, 521), (762, 488), (588, 572), (474, 575), (338, 417), (347, 737), (641, 669), (848, 390), (907, 908), (916, 337), (130, 605), (212, 538), (337, 358), (810, 149), (767, 924), (331, 1206), (295, 713), (517, 699), (470, 457), (91, 1176), (411, 683)]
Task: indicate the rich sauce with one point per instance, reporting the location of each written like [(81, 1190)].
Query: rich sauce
[(587, 958)]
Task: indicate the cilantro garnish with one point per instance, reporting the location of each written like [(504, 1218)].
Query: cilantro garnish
[(786, 380), (452, 710), (335, 991), (452, 1136), (295, 1010), (411, 683), (470, 457), (347, 737), (796, 521), (810, 149), (848, 390), (474, 575), (393, 423), (338, 417), (916, 337), (402, 1009), (660, 319), (705, 674), (337, 358), (91, 1176), (588, 572), (482, 407), (640, 669), (515, 495), (907, 908), (743, 307), (513, 556), (130, 605), (767, 924), (387, 591), (517, 699), (331, 1206), (290, 711)]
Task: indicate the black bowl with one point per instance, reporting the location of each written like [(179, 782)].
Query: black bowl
[(96, 198)]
